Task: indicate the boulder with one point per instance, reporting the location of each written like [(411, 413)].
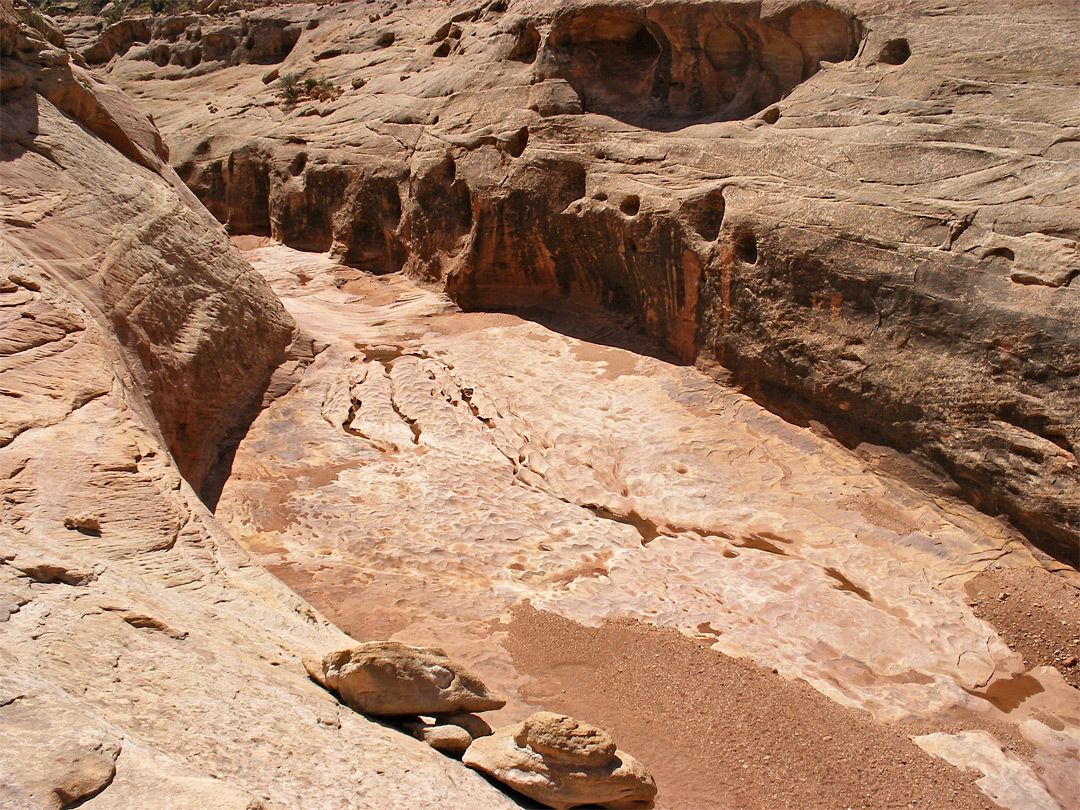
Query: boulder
[(563, 763), (389, 678)]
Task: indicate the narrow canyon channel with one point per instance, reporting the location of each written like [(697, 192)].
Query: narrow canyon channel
[(597, 530)]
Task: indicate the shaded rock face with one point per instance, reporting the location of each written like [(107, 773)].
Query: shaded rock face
[(869, 251), (691, 61), (563, 763), (192, 41), (198, 331), (390, 678)]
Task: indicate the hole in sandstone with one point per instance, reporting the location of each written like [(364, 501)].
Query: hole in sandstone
[(654, 70), (600, 195), (761, 544), (648, 530), (1002, 252), (725, 49), (443, 49), (823, 33), (746, 247), (731, 555), (707, 215), (526, 44), (518, 141), (630, 205), (771, 116), (895, 52), (609, 57), (385, 39), (298, 163), (249, 43)]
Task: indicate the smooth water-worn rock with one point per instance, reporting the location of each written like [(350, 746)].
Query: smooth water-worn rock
[(457, 466), (865, 211), (390, 678), (563, 763), (145, 660)]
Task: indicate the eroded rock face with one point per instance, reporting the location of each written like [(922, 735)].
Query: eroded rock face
[(186, 41), (873, 250), (563, 763), (390, 678), (197, 331), (691, 61), (145, 661)]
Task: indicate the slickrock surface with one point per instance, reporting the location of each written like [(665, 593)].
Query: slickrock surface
[(145, 660), (866, 210), (433, 470), (563, 763)]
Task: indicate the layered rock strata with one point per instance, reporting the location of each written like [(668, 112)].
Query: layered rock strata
[(887, 245), (145, 660)]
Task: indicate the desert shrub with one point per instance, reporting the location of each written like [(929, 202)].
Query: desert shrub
[(291, 89)]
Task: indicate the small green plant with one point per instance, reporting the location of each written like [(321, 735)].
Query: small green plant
[(112, 14), (288, 87), (32, 17), (291, 89)]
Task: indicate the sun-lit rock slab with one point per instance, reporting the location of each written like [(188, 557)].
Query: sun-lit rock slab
[(434, 469)]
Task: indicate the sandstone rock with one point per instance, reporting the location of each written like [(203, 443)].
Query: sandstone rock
[(475, 725), (808, 256), (562, 763), (129, 326), (449, 733), (447, 738), (389, 678)]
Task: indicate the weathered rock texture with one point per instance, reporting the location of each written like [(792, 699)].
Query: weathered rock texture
[(387, 677), (145, 661), (434, 471), (197, 331), (889, 246), (563, 763)]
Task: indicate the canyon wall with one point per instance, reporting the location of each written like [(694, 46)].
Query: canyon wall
[(865, 212), (145, 660)]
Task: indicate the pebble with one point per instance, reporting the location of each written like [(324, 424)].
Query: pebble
[(1069, 662)]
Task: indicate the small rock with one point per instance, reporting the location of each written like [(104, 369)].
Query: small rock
[(562, 763), (389, 678), (448, 739), (83, 523), (358, 82), (476, 726), (1069, 662)]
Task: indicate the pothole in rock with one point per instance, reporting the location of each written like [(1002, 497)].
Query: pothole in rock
[(680, 63)]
